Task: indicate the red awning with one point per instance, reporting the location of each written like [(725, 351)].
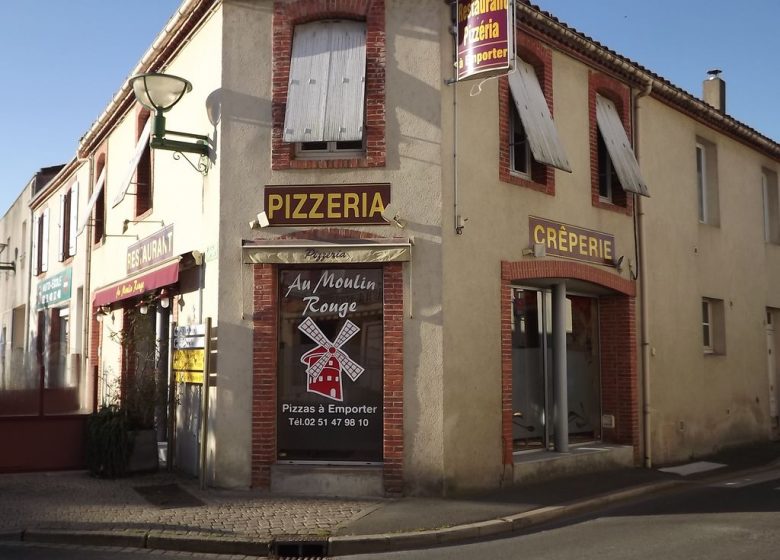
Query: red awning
[(138, 284)]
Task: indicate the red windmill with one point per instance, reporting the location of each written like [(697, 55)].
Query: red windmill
[(325, 363)]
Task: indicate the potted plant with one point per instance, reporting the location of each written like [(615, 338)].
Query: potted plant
[(122, 435)]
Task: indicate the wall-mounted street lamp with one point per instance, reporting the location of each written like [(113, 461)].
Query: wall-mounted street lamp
[(160, 93), (127, 222)]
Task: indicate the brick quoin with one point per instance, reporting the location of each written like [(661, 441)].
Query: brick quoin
[(535, 53), (619, 93), (288, 14), (264, 365), (618, 354)]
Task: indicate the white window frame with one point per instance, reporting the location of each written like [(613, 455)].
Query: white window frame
[(771, 198), (707, 326), (332, 151), (701, 182)]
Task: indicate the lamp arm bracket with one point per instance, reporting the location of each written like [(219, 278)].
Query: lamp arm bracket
[(201, 167), (188, 135)]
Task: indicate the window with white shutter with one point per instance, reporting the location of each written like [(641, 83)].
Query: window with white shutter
[(73, 219), (326, 90), (44, 248)]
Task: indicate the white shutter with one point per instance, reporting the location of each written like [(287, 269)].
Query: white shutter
[(36, 266), (45, 242), (619, 148), (74, 217), (346, 82), (61, 228), (306, 92), (92, 200), (538, 123), (143, 140)]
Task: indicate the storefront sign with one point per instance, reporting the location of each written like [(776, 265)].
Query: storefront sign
[(54, 290), (142, 283), (578, 243), (297, 251), (326, 204), (331, 365), (485, 38), (189, 353), (151, 250)]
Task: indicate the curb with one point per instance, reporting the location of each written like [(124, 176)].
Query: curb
[(339, 545), (390, 542)]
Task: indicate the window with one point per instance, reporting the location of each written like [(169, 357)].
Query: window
[(99, 204), (534, 127), (40, 239), (520, 158), (364, 115), (707, 182), (143, 173), (618, 169), (771, 206), (712, 326), (326, 90), (68, 223)]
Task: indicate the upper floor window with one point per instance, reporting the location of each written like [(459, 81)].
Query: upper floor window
[(99, 203), (143, 172), (326, 90), (617, 167), (534, 137), (707, 182), (40, 240), (771, 206), (69, 203), (713, 326)]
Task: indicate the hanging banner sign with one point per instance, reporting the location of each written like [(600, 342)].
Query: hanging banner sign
[(331, 365), (151, 250), (485, 38), (574, 242), (326, 204), (54, 290)]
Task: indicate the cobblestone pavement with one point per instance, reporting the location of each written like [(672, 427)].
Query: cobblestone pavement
[(76, 501)]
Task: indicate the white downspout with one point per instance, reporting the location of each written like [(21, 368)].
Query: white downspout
[(643, 298)]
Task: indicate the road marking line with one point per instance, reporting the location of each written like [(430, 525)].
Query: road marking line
[(751, 480)]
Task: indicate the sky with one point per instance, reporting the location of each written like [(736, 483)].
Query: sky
[(69, 57)]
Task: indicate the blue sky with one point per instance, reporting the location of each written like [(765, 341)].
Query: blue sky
[(69, 57)]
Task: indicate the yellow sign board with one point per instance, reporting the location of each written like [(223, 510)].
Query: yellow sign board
[(189, 377), (190, 359)]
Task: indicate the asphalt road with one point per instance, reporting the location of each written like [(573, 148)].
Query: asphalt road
[(731, 520)]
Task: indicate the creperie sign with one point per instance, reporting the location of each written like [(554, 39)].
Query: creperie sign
[(326, 204), (574, 242)]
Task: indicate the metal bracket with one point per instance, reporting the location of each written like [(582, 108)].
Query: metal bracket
[(202, 165)]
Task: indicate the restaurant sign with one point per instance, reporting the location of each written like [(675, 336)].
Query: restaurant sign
[(485, 38), (574, 242), (54, 290), (151, 250), (326, 204)]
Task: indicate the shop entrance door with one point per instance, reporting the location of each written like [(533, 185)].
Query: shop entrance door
[(532, 369)]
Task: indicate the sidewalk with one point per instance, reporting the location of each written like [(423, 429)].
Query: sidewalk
[(164, 511)]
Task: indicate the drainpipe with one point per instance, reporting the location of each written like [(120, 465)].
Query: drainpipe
[(639, 226), (86, 305), (454, 83)]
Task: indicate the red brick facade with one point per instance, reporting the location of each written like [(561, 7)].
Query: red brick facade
[(617, 324), (620, 94), (265, 359), (287, 14), (533, 52)]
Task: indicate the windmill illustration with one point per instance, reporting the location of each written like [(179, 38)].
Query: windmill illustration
[(326, 363)]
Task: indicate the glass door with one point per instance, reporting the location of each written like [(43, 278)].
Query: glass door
[(532, 375)]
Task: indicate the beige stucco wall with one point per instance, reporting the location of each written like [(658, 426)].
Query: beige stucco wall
[(496, 230), (703, 402), (15, 231), (414, 170), (78, 175)]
